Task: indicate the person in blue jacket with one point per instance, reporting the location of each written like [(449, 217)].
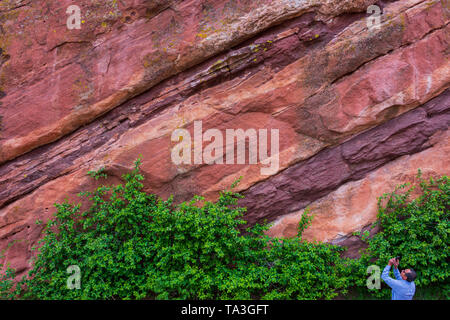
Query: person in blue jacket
[(403, 287)]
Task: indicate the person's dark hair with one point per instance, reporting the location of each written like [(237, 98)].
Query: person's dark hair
[(411, 275)]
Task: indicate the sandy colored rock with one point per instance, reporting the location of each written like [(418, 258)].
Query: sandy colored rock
[(354, 205)]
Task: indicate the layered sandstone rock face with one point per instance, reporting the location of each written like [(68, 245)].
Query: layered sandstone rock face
[(358, 109)]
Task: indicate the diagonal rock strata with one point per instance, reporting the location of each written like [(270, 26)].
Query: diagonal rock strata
[(350, 104), (184, 36), (312, 123), (309, 180)]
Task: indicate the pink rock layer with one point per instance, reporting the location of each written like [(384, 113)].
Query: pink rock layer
[(62, 79), (353, 205), (310, 180), (349, 102)]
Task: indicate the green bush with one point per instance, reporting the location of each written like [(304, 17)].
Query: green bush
[(418, 230), (6, 283), (132, 245)]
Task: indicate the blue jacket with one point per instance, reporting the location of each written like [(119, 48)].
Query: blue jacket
[(401, 289)]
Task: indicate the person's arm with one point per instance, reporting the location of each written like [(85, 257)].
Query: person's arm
[(394, 284), (397, 273)]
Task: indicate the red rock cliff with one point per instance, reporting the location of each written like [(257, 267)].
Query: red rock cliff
[(358, 110)]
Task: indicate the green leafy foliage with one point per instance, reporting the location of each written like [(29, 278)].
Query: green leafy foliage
[(6, 283), (132, 245), (7, 276), (418, 230), (100, 173)]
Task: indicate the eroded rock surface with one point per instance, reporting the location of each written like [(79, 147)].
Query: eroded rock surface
[(357, 110)]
